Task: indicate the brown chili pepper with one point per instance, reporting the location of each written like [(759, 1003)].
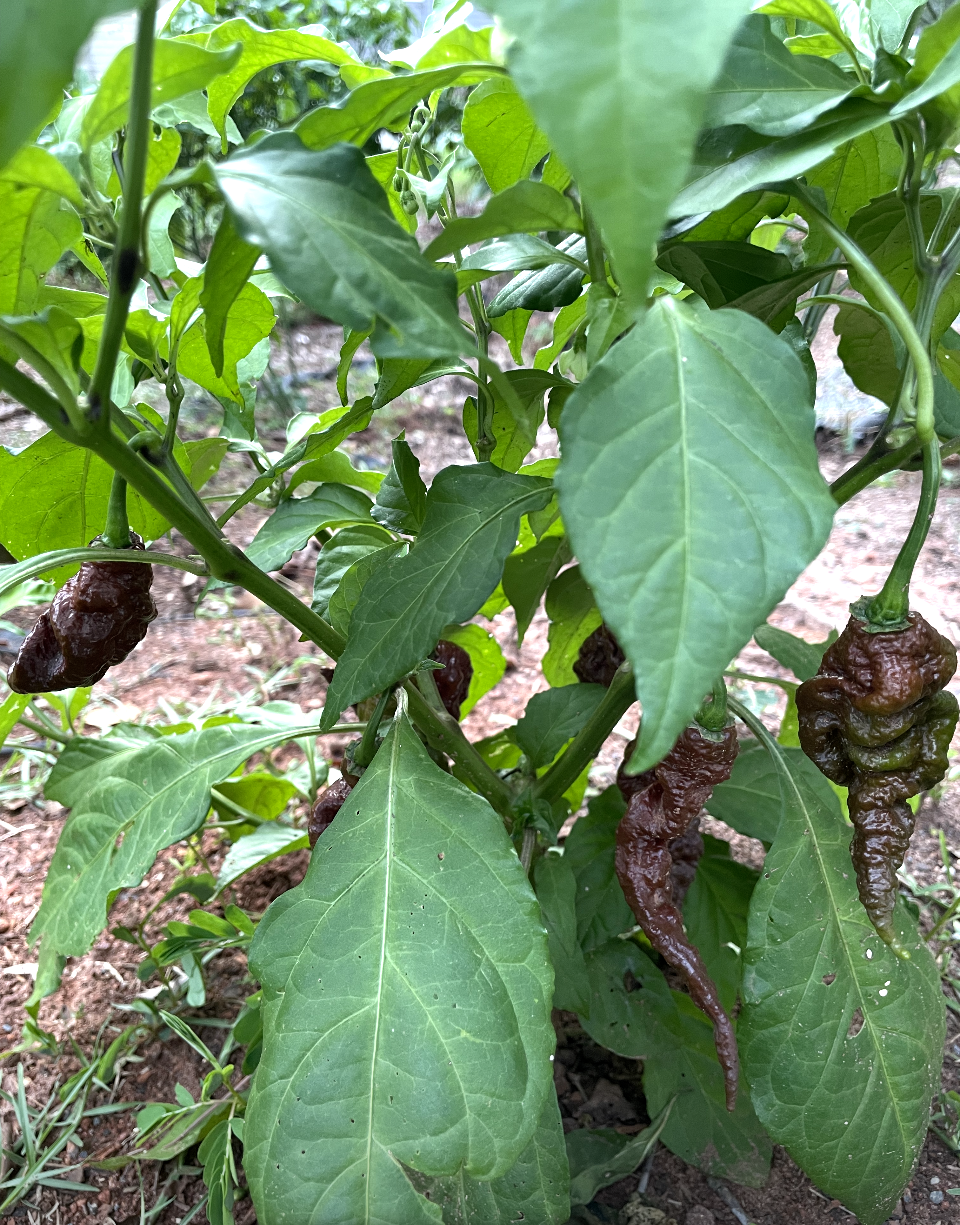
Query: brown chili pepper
[(599, 658), (876, 719), (96, 619), (656, 816), (453, 680), (329, 802)]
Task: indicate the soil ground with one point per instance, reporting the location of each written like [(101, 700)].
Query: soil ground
[(230, 647)]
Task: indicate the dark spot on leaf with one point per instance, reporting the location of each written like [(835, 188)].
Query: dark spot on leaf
[(856, 1024), (440, 854), (828, 979), (630, 983)]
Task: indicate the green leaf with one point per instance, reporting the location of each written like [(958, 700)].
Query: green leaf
[(446, 38), (502, 135), (546, 289), (412, 959), (867, 353), (715, 915), (259, 49), (619, 89), (736, 221), (600, 1158), (11, 709), (39, 40), (556, 892), (383, 167), (268, 842), (534, 1189), (263, 794), (553, 717), (325, 224), (820, 12), (519, 251), (835, 1026), (53, 336), (636, 1014), (573, 616), (513, 328), (487, 659), (731, 161), (37, 228), (54, 495), (338, 555), (697, 425), (801, 657), (336, 466), (35, 167), (215, 1154), (749, 801), (228, 267), (127, 807), (178, 69), (525, 208), (860, 171), (936, 69), (528, 574), (399, 374), (721, 272), (401, 501), (470, 527), (602, 910), (347, 595), (296, 519), (765, 87), (250, 318), (515, 434), (775, 304), (383, 103)]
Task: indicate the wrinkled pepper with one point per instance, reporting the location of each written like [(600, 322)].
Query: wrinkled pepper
[(96, 619), (876, 719), (453, 679), (599, 658), (663, 806)]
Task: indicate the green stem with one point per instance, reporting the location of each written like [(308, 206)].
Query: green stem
[(712, 715), (125, 266), (590, 740), (45, 729), (889, 609), (866, 471), (895, 310), (811, 325), (116, 533), (368, 742), (595, 260), (839, 299)]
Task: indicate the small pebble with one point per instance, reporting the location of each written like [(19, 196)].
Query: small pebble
[(700, 1216), (934, 1182), (936, 1197)]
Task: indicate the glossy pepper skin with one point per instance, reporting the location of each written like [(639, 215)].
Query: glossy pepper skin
[(599, 658), (96, 619), (453, 680), (876, 719), (329, 802), (662, 806)]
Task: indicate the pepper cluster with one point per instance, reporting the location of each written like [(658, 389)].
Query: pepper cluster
[(876, 719), (663, 805), (96, 619), (599, 658)]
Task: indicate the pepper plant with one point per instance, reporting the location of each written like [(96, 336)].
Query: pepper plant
[(643, 163)]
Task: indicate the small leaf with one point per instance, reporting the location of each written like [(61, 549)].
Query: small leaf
[(554, 717), (336, 467), (714, 456), (600, 1158), (573, 617), (229, 264), (546, 289), (515, 433), (528, 574), (715, 915), (556, 892), (401, 501), (502, 135), (266, 843), (178, 69), (296, 519), (471, 523), (338, 555), (325, 224), (250, 320), (513, 328), (801, 657), (524, 208), (347, 595), (415, 916), (602, 910)]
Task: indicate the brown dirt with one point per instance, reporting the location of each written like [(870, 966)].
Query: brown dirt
[(236, 649)]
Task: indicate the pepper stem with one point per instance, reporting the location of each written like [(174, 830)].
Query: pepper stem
[(116, 533), (712, 715), (368, 744), (889, 609)]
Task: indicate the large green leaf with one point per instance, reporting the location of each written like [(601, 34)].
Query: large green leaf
[(383, 103), (127, 807), (722, 272), (229, 264), (35, 167), (39, 40), (535, 1189), (936, 69), (249, 319), (765, 87), (259, 49), (557, 893), (619, 88), (296, 519), (406, 992), (325, 223), (731, 161), (634, 1013), (178, 68), (525, 207), (749, 801), (473, 515), (801, 657), (502, 135), (841, 1039), (690, 488)]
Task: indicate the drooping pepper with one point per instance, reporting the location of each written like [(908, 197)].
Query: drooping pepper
[(96, 619), (599, 658), (453, 679), (663, 803), (329, 802), (876, 719)]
